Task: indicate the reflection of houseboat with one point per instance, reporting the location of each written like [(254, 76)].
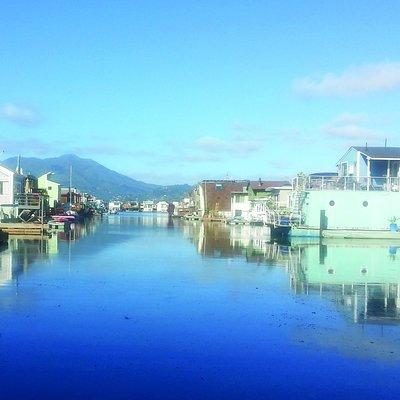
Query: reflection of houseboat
[(365, 280), (252, 243)]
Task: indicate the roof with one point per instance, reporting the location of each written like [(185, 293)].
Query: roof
[(262, 185), (324, 174), (8, 169), (47, 175), (379, 152)]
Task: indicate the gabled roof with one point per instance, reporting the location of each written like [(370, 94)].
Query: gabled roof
[(263, 185), (324, 174), (8, 169), (379, 152), (47, 175)]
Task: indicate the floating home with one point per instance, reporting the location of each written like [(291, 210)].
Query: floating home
[(361, 201), (253, 203), (214, 196)]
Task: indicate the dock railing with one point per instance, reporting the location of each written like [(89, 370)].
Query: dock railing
[(365, 183)]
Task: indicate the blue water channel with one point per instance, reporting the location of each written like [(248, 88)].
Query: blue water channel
[(136, 306)]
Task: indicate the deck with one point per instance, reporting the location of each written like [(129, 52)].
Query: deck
[(24, 228)]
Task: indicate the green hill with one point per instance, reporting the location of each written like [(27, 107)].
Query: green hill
[(92, 177)]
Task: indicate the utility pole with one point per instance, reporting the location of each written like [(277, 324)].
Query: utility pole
[(70, 187)]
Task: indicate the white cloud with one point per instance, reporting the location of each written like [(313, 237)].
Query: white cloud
[(351, 126), (358, 80), (351, 131), (349, 118), (19, 114), (234, 145)]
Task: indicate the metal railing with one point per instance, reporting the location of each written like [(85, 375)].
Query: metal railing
[(29, 201), (377, 183)]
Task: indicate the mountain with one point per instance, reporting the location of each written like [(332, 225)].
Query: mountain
[(91, 177)]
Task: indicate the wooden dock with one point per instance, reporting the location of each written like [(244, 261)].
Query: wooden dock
[(24, 228)]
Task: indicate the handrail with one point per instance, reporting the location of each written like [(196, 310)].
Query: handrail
[(364, 183), (28, 199)]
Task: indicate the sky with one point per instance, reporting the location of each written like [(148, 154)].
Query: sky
[(178, 91)]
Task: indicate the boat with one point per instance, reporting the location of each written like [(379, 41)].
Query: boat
[(63, 218)]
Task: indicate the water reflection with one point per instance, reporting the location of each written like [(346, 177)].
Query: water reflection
[(362, 278), (22, 251), (174, 309)]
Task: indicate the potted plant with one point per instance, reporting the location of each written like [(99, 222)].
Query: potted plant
[(393, 224)]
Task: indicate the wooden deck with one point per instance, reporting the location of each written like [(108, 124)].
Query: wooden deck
[(24, 229)]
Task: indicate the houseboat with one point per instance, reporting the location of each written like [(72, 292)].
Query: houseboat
[(361, 201)]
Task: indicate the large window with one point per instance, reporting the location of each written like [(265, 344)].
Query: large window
[(394, 169), (1, 188)]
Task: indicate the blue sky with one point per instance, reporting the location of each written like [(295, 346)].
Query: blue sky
[(174, 92)]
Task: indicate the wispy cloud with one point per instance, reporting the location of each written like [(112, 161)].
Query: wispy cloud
[(358, 80), (19, 114), (351, 126), (233, 145), (30, 145)]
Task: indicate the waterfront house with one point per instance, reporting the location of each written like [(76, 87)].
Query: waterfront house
[(11, 185), (259, 198), (148, 206), (215, 196), (162, 206), (52, 188), (363, 200), (375, 167), (114, 206), (70, 196)]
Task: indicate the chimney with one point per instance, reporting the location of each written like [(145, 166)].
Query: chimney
[(259, 181)]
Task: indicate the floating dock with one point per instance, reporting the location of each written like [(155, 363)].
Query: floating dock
[(23, 228)]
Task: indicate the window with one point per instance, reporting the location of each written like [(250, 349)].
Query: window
[(219, 186), (240, 198), (1, 188), (344, 169), (331, 203), (365, 203), (394, 169), (49, 188)]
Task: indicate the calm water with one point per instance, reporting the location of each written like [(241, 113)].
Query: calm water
[(135, 306)]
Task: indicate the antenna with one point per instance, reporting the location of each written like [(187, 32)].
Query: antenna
[(385, 142)]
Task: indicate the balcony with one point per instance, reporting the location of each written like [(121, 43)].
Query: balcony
[(353, 183), (28, 201)]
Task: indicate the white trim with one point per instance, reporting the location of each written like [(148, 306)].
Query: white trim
[(345, 154), (383, 159)]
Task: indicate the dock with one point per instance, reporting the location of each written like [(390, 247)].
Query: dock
[(23, 229)]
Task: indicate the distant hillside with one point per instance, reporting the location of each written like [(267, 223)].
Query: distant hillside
[(92, 177)]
